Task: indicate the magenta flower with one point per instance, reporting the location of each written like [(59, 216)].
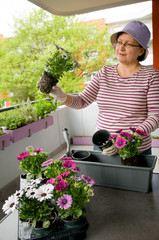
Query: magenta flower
[(76, 169), (141, 132), (69, 164), (38, 150), (133, 129), (119, 130), (113, 136), (59, 177), (22, 156), (61, 185), (125, 134), (65, 174), (76, 178), (120, 142), (47, 162), (51, 181), (88, 180), (65, 201), (66, 158)]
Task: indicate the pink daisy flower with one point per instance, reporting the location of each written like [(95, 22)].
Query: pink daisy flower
[(47, 162), (69, 164), (120, 142), (88, 180), (51, 181), (61, 185), (38, 150), (65, 201), (125, 134), (22, 156), (65, 174), (113, 136), (66, 158)]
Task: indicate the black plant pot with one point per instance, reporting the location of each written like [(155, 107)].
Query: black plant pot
[(81, 155), (101, 139)]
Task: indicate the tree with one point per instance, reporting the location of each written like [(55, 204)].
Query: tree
[(23, 56)]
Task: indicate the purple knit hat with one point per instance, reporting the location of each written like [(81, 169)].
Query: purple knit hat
[(138, 31)]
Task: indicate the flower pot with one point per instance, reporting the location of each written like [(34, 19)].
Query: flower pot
[(28, 130), (40, 231), (23, 181), (81, 155), (74, 223), (101, 139), (4, 141), (76, 229)]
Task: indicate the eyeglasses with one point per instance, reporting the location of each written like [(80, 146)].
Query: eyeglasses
[(126, 45)]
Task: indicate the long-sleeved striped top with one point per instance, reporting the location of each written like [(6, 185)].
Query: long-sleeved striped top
[(124, 102)]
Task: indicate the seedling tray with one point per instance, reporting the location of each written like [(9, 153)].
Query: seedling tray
[(58, 232)]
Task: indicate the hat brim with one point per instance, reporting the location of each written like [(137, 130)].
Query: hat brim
[(113, 39)]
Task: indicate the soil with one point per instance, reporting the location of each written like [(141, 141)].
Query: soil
[(46, 83)]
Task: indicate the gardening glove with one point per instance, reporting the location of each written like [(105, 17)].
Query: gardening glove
[(110, 151), (58, 94)]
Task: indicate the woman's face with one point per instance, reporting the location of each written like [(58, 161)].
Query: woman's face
[(128, 49)]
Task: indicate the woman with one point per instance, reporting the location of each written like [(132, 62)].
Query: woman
[(127, 94)]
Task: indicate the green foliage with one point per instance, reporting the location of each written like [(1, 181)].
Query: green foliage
[(26, 113), (13, 119), (58, 63), (62, 173), (2, 100), (127, 143), (23, 56), (31, 161), (35, 210), (43, 107)]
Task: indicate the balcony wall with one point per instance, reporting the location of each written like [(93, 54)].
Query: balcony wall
[(51, 140)]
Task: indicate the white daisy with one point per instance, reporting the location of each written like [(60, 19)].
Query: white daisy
[(35, 181), (31, 193), (10, 204), (44, 192), (19, 193), (64, 56)]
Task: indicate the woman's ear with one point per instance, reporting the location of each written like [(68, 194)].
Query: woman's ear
[(142, 50)]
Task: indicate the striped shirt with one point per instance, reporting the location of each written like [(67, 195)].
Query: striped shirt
[(124, 102)]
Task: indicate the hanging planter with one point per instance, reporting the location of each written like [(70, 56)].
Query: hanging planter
[(4, 141), (27, 130)]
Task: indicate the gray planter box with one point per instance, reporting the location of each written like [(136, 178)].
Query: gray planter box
[(109, 172)]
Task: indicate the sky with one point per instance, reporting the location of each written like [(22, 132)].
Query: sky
[(19, 8)]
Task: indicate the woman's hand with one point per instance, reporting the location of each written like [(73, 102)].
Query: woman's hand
[(58, 94), (111, 151)]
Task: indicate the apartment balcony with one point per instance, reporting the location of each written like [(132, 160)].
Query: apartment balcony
[(112, 213)]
